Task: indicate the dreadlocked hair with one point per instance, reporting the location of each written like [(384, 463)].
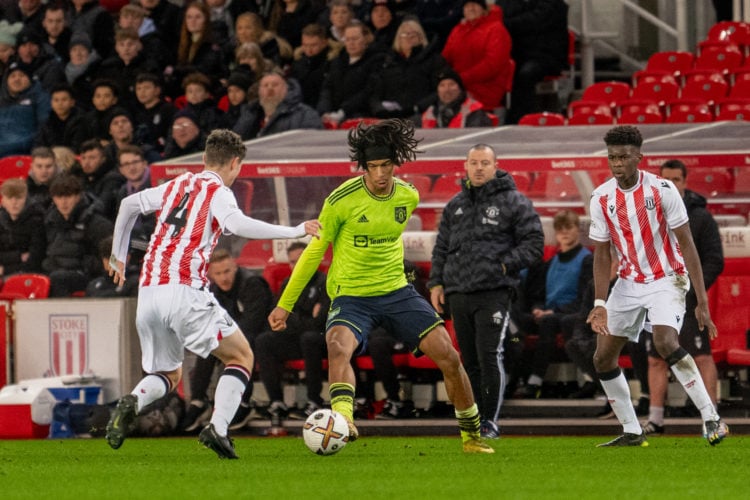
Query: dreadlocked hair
[(392, 138)]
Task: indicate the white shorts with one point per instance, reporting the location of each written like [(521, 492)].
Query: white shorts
[(663, 300), (172, 318)]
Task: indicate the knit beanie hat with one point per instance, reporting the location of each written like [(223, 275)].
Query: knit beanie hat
[(482, 3), (8, 32), (28, 34), (240, 79), (80, 38), (450, 74)]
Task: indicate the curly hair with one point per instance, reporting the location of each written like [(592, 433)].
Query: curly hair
[(222, 146), (623, 135), (392, 139)]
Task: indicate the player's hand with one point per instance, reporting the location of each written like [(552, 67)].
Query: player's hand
[(313, 227), (117, 270), (277, 319), (598, 320), (704, 321), (437, 297)]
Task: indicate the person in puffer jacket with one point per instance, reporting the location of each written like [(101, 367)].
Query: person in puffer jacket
[(488, 232), (24, 107), (73, 229)]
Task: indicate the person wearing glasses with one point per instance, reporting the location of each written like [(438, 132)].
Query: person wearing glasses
[(186, 136), (408, 74), (642, 216)]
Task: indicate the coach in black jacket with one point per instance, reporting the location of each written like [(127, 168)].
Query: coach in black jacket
[(488, 233)]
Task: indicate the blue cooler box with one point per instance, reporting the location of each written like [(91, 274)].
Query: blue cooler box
[(86, 394)]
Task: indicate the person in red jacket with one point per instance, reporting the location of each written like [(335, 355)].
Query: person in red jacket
[(478, 48)]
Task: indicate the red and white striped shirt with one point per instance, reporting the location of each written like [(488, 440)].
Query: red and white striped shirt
[(187, 228), (639, 223)]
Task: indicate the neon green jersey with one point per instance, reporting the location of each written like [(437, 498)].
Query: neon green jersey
[(365, 230)]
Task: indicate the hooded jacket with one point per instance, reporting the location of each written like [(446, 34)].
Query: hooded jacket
[(20, 117), (706, 236), (291, 114), (486, 236), (479, 51)]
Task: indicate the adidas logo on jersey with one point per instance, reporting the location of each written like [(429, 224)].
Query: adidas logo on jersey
[(363, 219)]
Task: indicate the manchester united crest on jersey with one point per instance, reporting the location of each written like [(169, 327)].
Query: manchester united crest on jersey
[(399, 214)]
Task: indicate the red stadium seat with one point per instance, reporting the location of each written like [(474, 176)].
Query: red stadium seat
[(353, 122), (684, 106), (652, 76), (724, 58), (25, 286), (589, 107), (243, 191), (445, 187), (609, 92), (731, 109), (554, 184), (660, 92), (732, 115), (741, 87), (705, 87), (544, 119), (275, 273), (14, 167), (736, 32), (256, 254), (591, 119), (423, 183), (223, 103), (674, 62), (638, 106), (686, 116), (522, 180), (710, 182), (640, 118)]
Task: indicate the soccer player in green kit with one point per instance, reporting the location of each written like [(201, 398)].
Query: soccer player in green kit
[(363, 219)]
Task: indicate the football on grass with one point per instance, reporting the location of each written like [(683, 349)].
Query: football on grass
[(325, 432)]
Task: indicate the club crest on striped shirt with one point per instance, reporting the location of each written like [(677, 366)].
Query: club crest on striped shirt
[(650, 204)]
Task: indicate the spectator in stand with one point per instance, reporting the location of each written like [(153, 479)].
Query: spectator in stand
[(250, 29), (304, 337), (43, 171), (224, 14), (81, 69), (408, 74), (134, 167), (28, 12), (38, 59), (539, 32), (65, 158), (289, 17), (102, 285), (104, 98), (8, 34), (65, 125), (99, 179), (553, 291), (238, 86), (310, 61), (56, 31), (123, 133), (452, 108), (248, 299), (479, 50), (167, 19), (133, 17), (21, 230), (197, 87), (279, 108), (197, 51), (344, 93), (87, 16), (152, 113), (384, 23), (488, 233), (126, 63), (580, 345), (73, 231), (340, 16), (438, 17), (249, 58), (24, 107), (186, 136), (695, 341)]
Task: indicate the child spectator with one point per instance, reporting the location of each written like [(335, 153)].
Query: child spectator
[(65, 125), (43, 171), (128, 61), (238, 86), (340, 15), (104, 98), (21, 230), (310, 60), (73, 231), (199, 101), (152, 112)]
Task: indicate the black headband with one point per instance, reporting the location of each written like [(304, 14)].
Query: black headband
[(378, 152)]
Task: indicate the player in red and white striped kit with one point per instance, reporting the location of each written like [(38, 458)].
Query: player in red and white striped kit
[(175, 309), (643, 218)]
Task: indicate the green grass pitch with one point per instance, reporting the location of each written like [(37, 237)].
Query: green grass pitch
[(376, 467)]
